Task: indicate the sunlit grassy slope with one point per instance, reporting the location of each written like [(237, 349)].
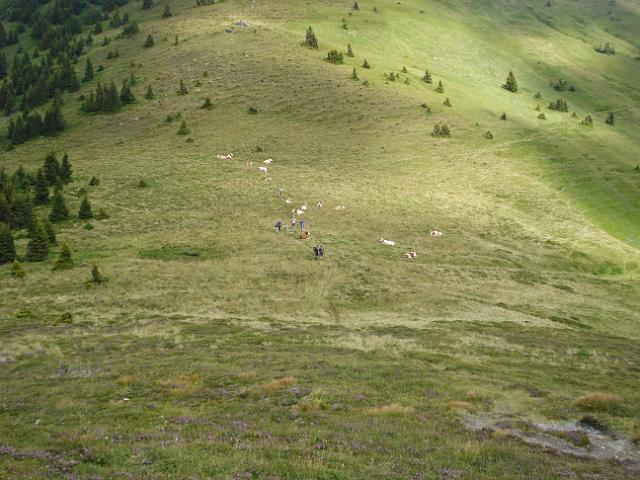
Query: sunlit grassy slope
[(534, 284)]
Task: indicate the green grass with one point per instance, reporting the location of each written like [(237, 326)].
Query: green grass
[(530, 298)]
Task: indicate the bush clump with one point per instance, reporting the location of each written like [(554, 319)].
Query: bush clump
[(335, 57)]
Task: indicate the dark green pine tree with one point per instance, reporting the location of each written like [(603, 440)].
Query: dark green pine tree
[(7, 245), (51, 169), (85, 212), (50, 232), (41, 189), (167, 12), (65, 169), (310, 39), (147, 4), (365, 64), (149, 95), (149, 42), (97, 30), (59, 210), (38, 246), (440, 87), (184, 129), (511, 84), (349, 50), (53, 119), (21, 212), (88, 71), (427, 77), (64, 260)]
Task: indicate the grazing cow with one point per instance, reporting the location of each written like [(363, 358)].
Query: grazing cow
[(303, 207), (320, 204), (262, 169), (410, 255), (436, 233), (299, 212), (248, 164), (389, 243), (268, 161), (287, 201), (268, 179), (339, 208)]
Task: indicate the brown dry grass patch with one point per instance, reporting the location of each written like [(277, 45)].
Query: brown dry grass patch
[(461, 405), (274, 385), (599, 402), (392, 409), (183, 384), (249, 375), (126, 380)]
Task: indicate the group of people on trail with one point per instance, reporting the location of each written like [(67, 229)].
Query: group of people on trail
[(318, 251)]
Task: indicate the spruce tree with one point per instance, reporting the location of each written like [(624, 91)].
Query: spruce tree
[(88, 71), (503, 116), (51, 169), (97, 30), (64, 260), (85, 212), (335, 57), (65, 169), (59, 210), (147, 4), (349, 50), (167, 12), (427, 77), (310, 39), (7, 245), (50, 232), (356, 6), (38, 246), (538, 95), (183, 89), (610, 119), (126, 94), (149, 42), (365, 64), (511, 84), (587, 121), (354, 74), (149, 95), (440, 87), (41, 189), (447, 102)]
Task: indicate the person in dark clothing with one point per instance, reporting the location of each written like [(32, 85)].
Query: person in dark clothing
[(278, 225), (321, 251), (315, 250)]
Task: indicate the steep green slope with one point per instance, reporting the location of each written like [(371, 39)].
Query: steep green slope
[(527, 302)]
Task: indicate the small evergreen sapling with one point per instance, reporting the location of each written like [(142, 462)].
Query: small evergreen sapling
[(88, 71), (184, 129), (59, 210), (310, 40), (65, 169), (16, 270), (587, 121), (511, 83), (488, 135), (447, 102), (503, 116), (85, 213), (183, 89), (440, 87), (64, 261), (365, 64), (50, 232), (41, 189), (38, 246), (354, 74), (207, 104), (149, 95), (427, 77), (147, 4), (335, 57), (167, 12), (148, 42), (611, 120), (349, 50), (7, 245)]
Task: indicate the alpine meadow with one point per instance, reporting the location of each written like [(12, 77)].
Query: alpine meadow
[(319, 239)]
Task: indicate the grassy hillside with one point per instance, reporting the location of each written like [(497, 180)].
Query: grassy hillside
[(241, 355)]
